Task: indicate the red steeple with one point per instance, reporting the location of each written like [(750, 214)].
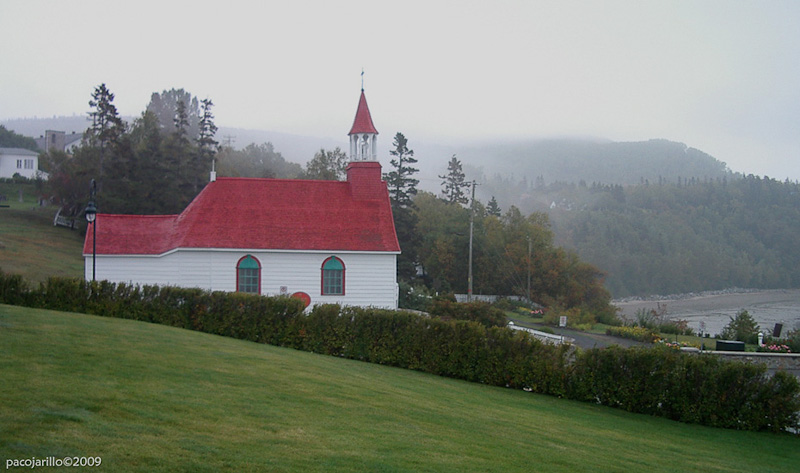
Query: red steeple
[(363, 121)]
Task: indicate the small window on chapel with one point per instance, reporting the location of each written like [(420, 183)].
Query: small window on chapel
[(333, 277), (248, 275)]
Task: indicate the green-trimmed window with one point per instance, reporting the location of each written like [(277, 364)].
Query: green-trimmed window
[(248, 275), (333, 277)]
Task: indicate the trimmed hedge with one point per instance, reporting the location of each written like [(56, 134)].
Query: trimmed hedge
[(238, 315), (702, 389), (657, 381)]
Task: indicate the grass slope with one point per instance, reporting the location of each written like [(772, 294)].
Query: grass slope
[(153, 398), (29, 243)]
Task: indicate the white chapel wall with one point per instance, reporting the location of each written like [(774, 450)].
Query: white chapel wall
[(370, 278)]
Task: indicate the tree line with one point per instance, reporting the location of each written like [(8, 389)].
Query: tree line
[(155, 165)]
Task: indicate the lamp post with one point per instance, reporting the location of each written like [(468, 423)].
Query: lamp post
[(91, 215)]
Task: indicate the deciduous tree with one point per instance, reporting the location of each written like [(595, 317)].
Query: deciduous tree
[(327, 165)]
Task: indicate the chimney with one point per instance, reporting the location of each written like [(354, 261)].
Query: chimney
[(365, 180)]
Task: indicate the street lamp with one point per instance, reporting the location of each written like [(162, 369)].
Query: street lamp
[(91, 215)]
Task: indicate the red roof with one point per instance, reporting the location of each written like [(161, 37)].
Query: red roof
[(254, 214), (363, 121)]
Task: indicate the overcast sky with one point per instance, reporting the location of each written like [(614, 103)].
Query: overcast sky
[(721, 76)]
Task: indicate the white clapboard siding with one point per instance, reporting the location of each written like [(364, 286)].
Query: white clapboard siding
[(370, 278)]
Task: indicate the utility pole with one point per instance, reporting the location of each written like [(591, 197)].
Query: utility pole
[(530, 244), (471, 225)]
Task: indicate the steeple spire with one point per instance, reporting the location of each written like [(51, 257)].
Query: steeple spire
[(363, 135)]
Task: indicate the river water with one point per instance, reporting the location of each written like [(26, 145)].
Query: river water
[(713, 311)]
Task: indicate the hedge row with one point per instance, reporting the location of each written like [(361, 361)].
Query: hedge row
[(662, 382), (702, 389), (245, 316)]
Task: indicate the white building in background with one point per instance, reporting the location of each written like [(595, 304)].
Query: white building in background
[(18, 161), (322, 241)]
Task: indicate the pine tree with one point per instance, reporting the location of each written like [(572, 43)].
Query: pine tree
[(208, 129), (206, 144), (402, 190), (402, 186), (493, 208), (107, 127), (454, 183)]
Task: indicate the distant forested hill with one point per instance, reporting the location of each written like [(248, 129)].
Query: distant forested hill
[(658, 216), (669, 238), (571, 160)]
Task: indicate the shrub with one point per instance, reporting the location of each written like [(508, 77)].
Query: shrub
[(742, 327), (774, 348), (416, 297), (480, 312), (641, 334), (576, 317), (13, 289), (792, 340), (676, 327)]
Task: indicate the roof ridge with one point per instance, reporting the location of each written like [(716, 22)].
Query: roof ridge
[(274, 179), (138, 215)]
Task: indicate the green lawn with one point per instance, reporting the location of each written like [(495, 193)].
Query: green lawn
[(29, 243), (149, 398)]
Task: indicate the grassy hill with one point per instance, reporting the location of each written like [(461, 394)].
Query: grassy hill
[(153, 398), (29, 243)]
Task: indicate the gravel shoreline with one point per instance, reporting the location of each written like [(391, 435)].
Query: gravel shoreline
[(714, 308), (694, 295)]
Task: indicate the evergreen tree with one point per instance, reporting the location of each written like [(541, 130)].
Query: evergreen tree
[(402, 186), (107, 127), (181, 121), (208, 129), (742, 327), (206, 144), (493, 208), (178, 162), (402, 190), (454, 183)]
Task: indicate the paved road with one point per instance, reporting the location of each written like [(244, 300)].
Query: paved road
[(594, 340)]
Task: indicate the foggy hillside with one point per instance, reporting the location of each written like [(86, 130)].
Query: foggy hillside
[(510, 170), (502, 166)]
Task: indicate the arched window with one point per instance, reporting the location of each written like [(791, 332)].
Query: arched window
[(248, 275), (333, 277)]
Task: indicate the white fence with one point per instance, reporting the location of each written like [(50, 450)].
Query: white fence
[(543, 336)]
